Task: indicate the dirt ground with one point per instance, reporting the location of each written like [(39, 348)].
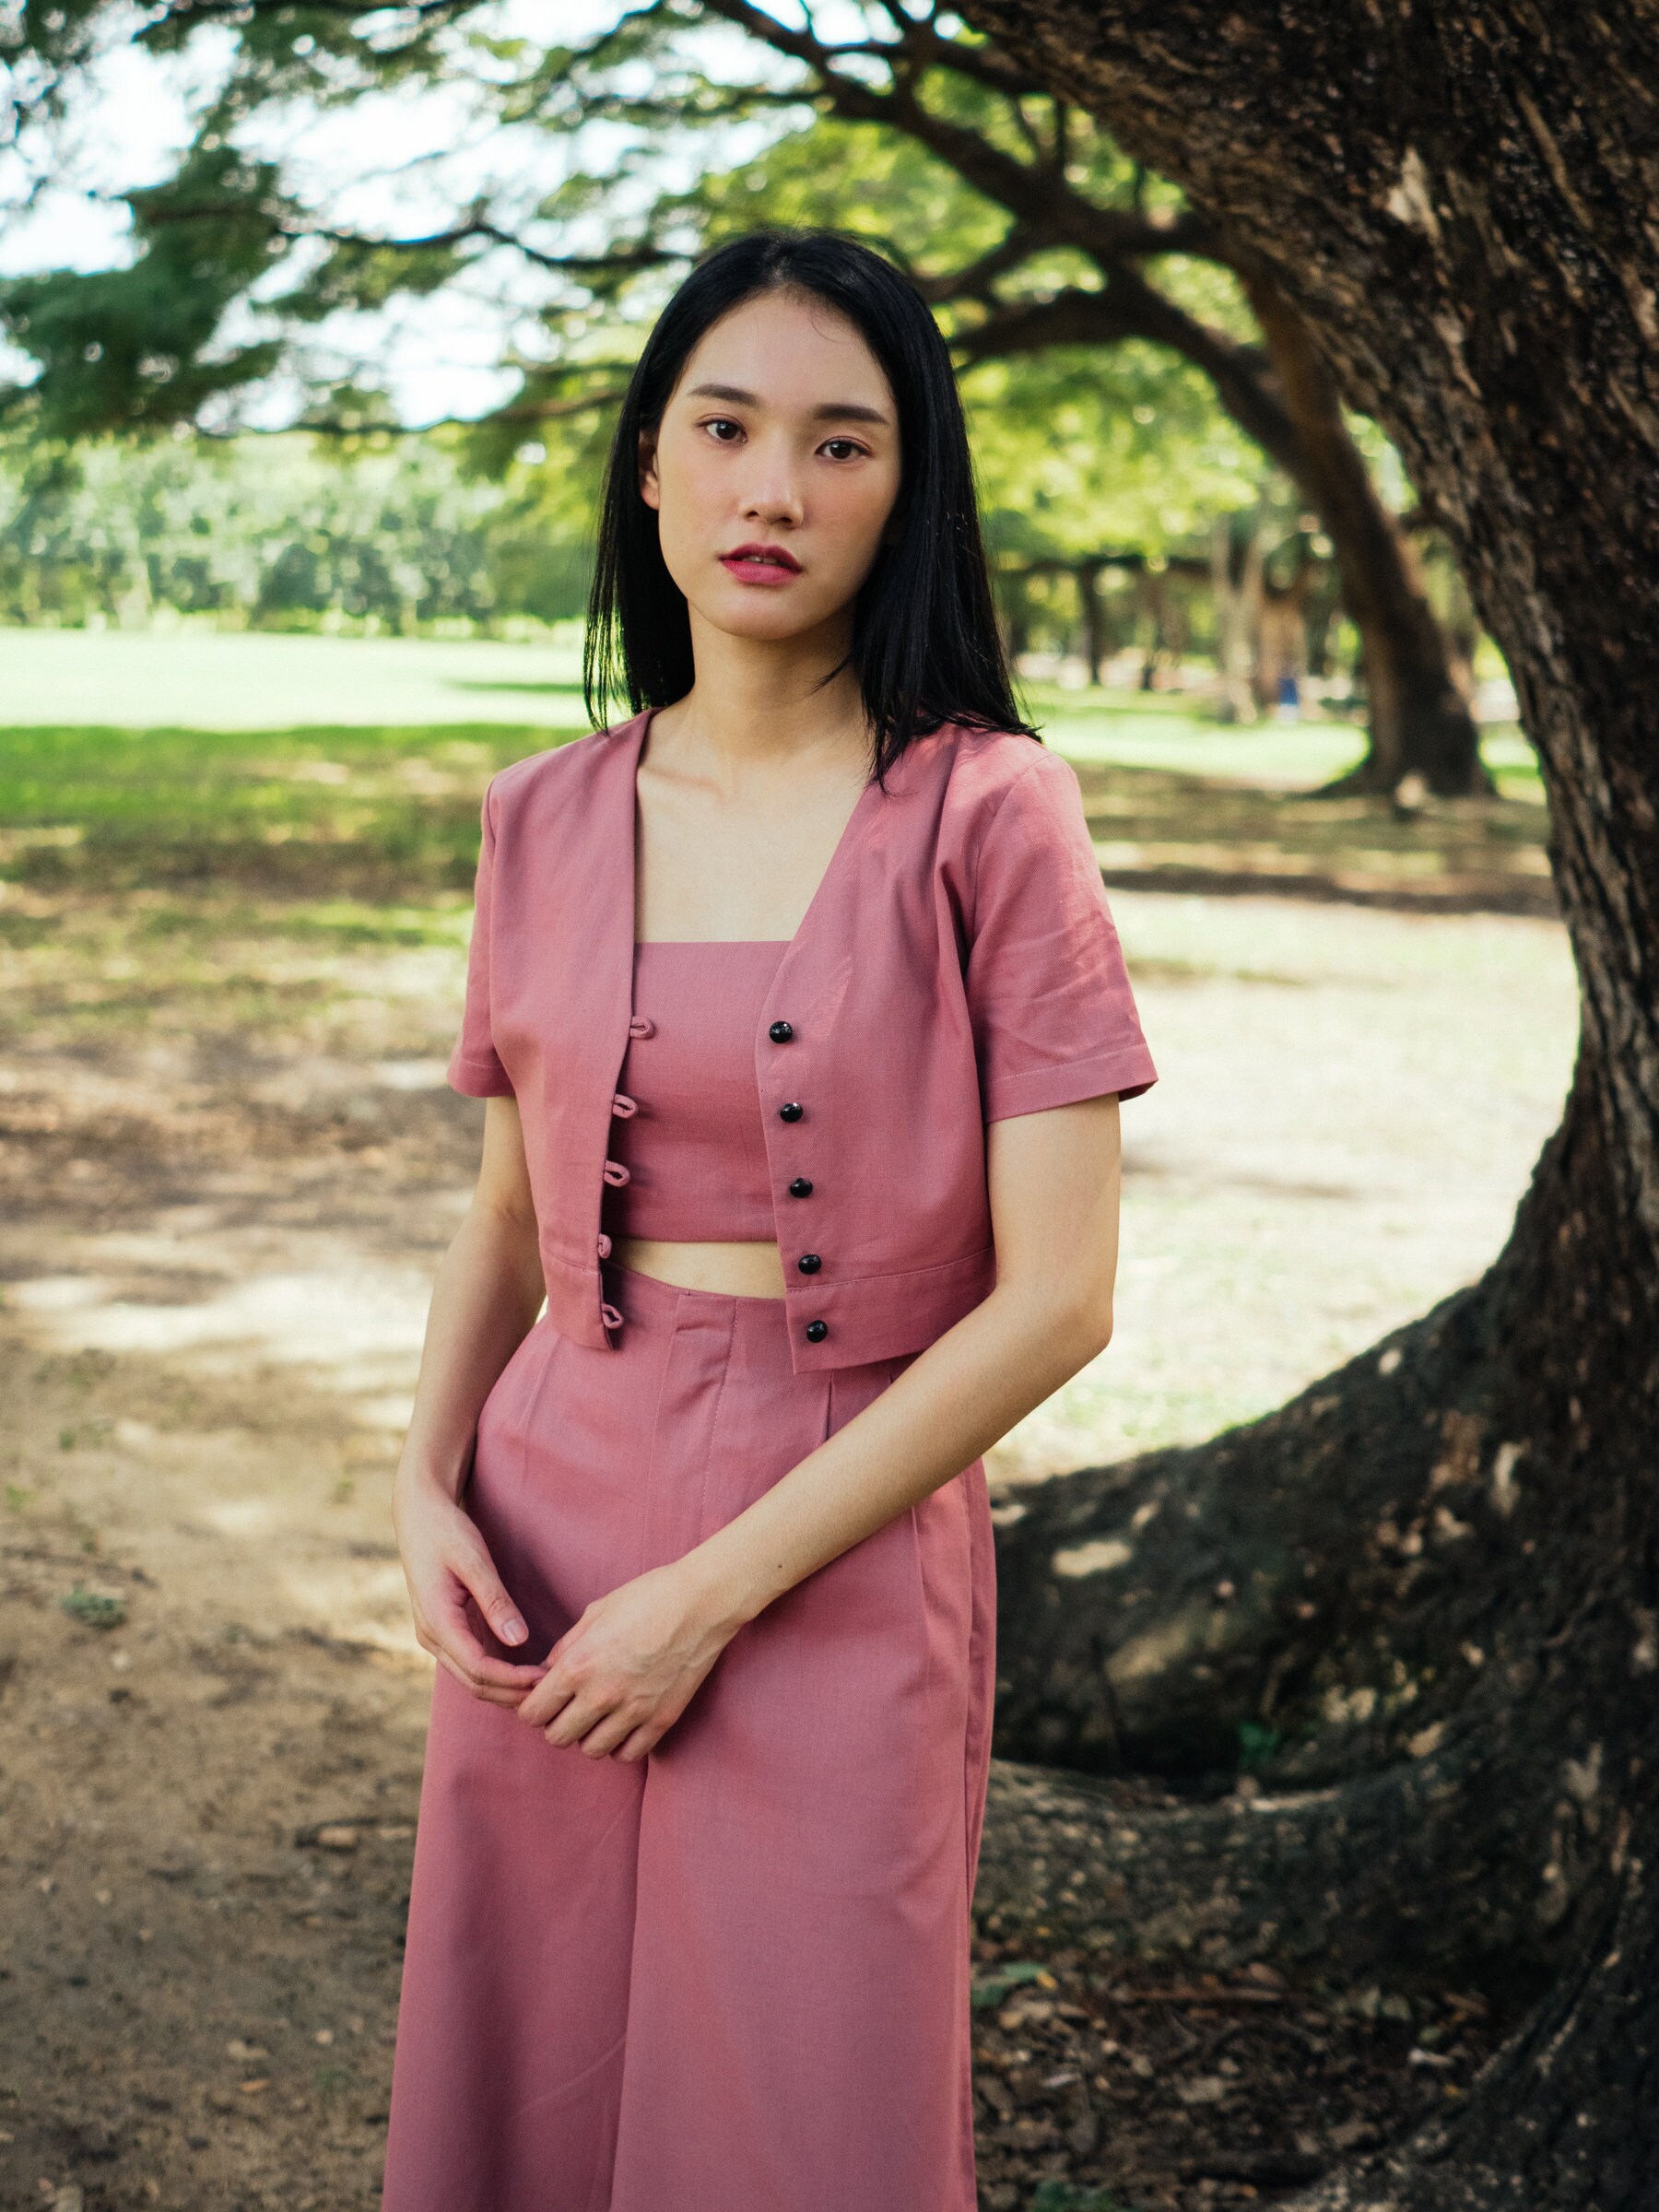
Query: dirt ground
[(228, 1167)]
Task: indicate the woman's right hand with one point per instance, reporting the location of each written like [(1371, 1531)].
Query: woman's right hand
[(445, 1562)]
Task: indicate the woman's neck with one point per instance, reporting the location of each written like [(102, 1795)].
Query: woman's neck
[(760, 703)]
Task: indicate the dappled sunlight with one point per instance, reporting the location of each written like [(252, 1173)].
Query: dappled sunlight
[(1350, 1107), (357, 1601), (357, 1324)]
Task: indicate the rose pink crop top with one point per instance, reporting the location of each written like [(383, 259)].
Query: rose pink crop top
[(688, 1135)]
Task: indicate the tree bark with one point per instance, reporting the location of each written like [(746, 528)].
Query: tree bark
[(1430, 1586), (1418, 722)]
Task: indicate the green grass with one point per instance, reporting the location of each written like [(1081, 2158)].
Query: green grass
[(210, 681), (220, 683), (341, 807), (144, 767), (333, 924), (298, 765), (1138, 729)]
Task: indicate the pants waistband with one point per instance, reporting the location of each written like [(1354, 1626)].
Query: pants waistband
[(648, 1295)]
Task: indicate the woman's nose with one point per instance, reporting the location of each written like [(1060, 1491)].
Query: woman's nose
[(773, 489), (773, 504)]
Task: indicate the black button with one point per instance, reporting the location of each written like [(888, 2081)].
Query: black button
[(780, 1032), (809, 1262), (791, 1113), (800, 1188), (816, 1331)]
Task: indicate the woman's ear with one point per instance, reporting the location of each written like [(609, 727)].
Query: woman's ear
[(648, 475)]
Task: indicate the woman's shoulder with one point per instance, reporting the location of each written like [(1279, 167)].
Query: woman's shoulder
[(973, 772), (555, 776), (980, 759)]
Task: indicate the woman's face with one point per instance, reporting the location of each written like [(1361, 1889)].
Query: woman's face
[(775, 468)]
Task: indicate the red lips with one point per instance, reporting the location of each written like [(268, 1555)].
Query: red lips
[(771, 556)]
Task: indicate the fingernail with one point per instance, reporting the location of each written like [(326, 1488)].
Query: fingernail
[(513, 1630)]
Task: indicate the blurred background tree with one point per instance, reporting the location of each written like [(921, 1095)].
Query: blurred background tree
[(279, 533), (1166, 467)]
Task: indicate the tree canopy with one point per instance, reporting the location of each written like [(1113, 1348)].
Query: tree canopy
[(1129, 369)]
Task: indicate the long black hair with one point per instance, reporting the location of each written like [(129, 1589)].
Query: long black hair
[(925, 643)]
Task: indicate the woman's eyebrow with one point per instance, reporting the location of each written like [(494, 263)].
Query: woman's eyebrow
[(831, 410)]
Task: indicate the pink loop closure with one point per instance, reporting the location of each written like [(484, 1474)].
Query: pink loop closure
[(616, 1174), (605, 1246), (642, 1025), (610, 1317), (623, 1107)]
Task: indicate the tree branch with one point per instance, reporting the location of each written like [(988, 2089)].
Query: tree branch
[(552, 411), (336, 426), (187, 12), (1037, 195), (975, 282), (1128, 307), (433, 242), (620, 260)]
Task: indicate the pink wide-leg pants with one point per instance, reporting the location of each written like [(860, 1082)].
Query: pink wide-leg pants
[(732, 1976)]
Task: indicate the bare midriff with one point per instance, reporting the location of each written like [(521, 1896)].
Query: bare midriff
[(748, 1270)]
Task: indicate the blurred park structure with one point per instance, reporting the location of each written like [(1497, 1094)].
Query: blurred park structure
[(1307, 362)]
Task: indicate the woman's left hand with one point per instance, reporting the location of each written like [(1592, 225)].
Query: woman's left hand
[(625, 1670)]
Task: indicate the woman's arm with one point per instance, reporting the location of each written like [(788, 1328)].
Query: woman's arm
[(488, 1292), (625, 1671)]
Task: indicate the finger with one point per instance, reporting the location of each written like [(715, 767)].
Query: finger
[(475, 1568), (603, 1739), (478, 1668), (488, 1695), (472, 1664), (454, 1632), (643, 1740), (548, 1697), (570, 1725)]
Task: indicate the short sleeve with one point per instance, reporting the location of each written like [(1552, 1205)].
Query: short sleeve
[(1054, 1017), (474, 1068)]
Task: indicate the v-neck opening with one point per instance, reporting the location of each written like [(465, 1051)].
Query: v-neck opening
[(843, 845)]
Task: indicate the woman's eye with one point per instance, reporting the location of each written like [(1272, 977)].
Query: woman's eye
[(723, 422), (848, 447)]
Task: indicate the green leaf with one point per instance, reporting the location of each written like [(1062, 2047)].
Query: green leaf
[(94, 1608), (1257, 1745), (995, 1986)]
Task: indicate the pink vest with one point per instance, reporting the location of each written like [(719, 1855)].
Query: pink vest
[(957, 963)]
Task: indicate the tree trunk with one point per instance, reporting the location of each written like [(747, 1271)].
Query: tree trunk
[(1420, 723), (1429, 1590), (1152, 589), (1237, 602), (1095, 646)]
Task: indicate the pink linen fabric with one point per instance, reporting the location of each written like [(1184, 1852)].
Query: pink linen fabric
[(692, 1143), (957, 963), (732, 1977)]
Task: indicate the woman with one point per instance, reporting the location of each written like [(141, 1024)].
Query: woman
[(802, 1024)]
